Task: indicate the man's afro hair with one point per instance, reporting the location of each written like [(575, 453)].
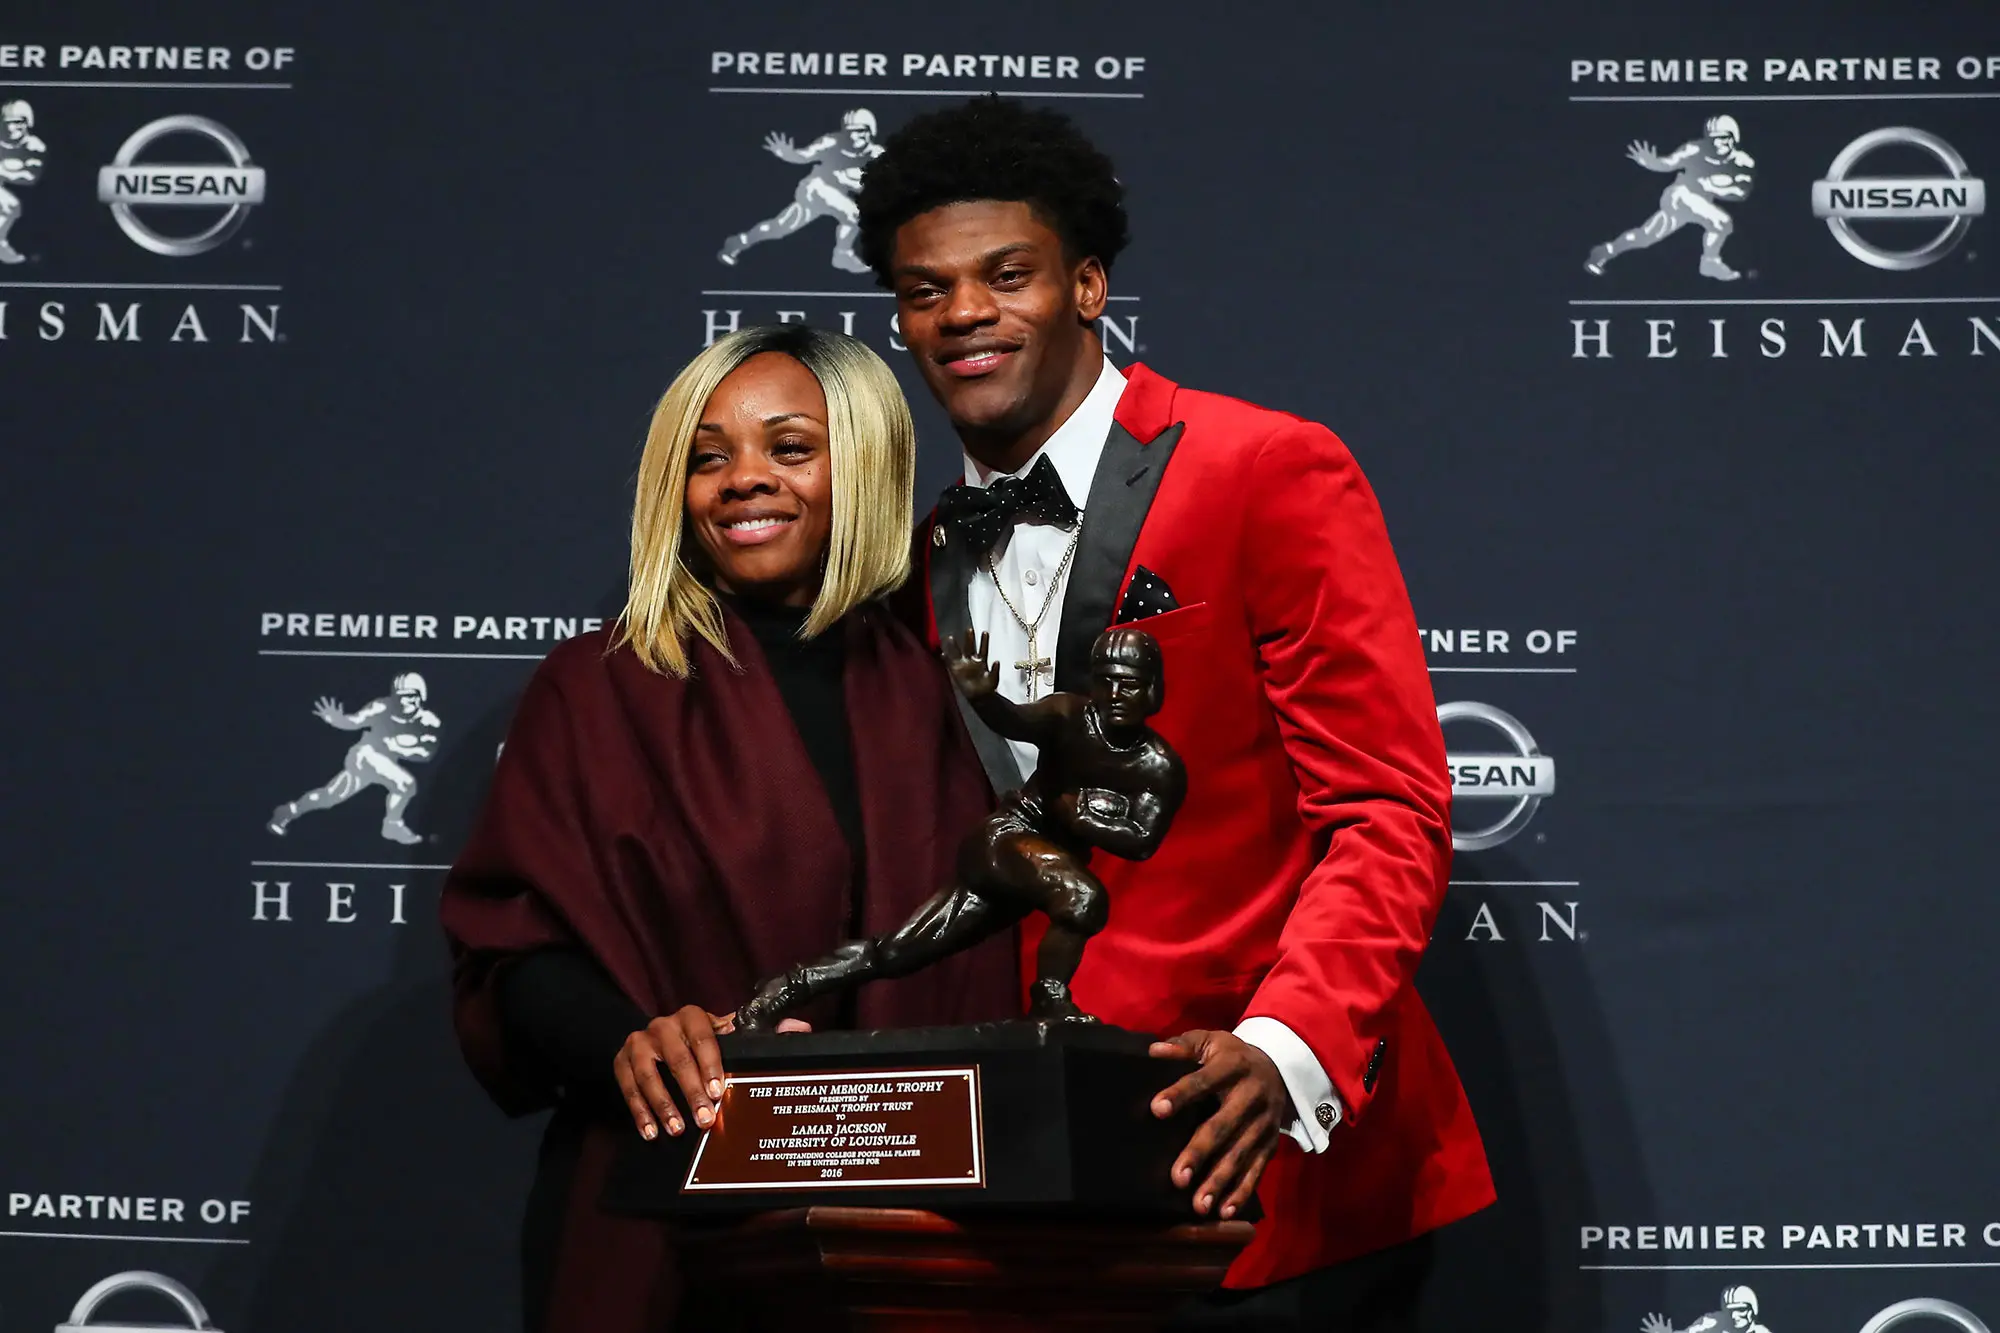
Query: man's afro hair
[(994, 148)]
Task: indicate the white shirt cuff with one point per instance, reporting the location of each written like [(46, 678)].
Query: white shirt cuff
[(1315, 1105)]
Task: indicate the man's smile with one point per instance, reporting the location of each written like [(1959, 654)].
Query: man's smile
[(976, 359)]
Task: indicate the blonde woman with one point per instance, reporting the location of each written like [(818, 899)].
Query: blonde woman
[(755, 762)]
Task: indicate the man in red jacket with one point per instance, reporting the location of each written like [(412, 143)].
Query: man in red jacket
[(1279, 926)]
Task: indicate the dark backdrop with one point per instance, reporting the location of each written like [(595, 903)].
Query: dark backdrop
[(1730, 965)]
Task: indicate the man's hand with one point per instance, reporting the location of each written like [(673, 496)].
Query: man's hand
[(966, 660), (1654, 1323), (1234, 1145), (683, 1041)]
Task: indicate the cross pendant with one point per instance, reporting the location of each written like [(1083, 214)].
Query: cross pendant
[(1034, 667)]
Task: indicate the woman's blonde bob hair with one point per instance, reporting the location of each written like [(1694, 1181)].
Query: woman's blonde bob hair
[(873, 457)]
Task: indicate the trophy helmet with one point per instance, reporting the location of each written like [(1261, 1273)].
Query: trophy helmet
[(861, 118), (411, 683), (1127, 646), (1717, 127), (1741, 1297), (18, 110)]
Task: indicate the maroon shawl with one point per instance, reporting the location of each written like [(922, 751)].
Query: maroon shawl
[(675, 831)]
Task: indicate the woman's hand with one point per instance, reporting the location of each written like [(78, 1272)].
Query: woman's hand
[(683, 1041)]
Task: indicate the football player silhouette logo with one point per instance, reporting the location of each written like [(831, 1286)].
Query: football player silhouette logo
[(827, 191), (20, 164), (1708, 173), (396, 729)]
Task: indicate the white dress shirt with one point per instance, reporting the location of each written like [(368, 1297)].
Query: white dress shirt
[(1026, 566)]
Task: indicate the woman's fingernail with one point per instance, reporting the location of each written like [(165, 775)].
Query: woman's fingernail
[(673, 1127), (1229, 1210), (1163, 1107), (715, 1087), (649, 1132), (1206, 1201), (701, 1116)]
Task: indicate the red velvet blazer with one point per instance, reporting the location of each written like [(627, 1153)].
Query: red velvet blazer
[(1303, 874)]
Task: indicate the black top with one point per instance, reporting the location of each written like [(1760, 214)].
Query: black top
[(559, 1004), (808, 673)]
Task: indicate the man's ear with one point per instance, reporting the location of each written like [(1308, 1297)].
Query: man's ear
[(1093, 290)]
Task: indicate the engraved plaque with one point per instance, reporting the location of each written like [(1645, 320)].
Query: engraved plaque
[(815, 1131)]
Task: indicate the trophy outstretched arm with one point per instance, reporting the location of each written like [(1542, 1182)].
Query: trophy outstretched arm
[(1019, 722), (979, 681)]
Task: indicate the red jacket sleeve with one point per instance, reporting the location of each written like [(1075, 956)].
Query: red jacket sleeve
[(1345, 676)]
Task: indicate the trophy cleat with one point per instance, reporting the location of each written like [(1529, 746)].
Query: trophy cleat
[(761, 1012), (395, 830), (1600, 255), (1051, 1003), (281, 818), (1715, 268)]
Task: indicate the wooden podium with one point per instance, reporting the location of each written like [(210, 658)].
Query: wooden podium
[(828, 1267)]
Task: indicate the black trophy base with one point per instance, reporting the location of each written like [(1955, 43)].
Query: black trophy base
[(1065, 1118)]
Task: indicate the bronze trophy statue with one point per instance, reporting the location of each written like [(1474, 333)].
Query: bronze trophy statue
[(1052, 1113), (1106, 780)]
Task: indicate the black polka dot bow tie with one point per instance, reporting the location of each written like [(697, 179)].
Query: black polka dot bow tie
[(980, 515)]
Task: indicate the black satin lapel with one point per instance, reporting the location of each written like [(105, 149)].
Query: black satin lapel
[(1121, 493), (995, 755), (951, 578), (951, 584)]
